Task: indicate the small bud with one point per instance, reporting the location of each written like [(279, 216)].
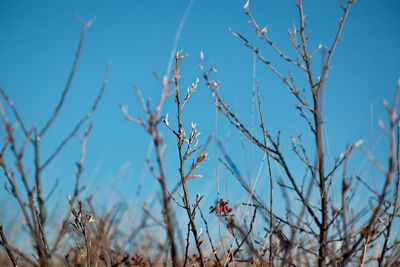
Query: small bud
[(90, 218), (263, 30), (381, 124), (214, 83), (385, 103), (166, 120), (246, 6), (358, 143), (200, 233), (178, 55), (183, 133)]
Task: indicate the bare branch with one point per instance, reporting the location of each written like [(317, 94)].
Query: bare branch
[(85, 26), (82, 121)]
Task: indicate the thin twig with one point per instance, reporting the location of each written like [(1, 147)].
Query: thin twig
[(6, 246), (85, 26), (82, 121)]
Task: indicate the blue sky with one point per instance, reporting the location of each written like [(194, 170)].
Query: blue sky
[(39, 41)]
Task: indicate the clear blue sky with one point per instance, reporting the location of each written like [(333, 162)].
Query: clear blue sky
[(38, 42)]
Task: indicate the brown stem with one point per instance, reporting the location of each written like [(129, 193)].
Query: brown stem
[(166, 199), (6, 246), (181, 139)]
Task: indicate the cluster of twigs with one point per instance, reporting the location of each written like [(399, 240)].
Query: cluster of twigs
[(187, 146), (320, 231), (30, 198), (340, 236)]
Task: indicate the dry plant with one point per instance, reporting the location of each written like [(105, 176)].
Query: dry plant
[(320, 231), (187, 146), (29, 193)]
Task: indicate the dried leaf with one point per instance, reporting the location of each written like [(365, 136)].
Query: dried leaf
[(201, 157)]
